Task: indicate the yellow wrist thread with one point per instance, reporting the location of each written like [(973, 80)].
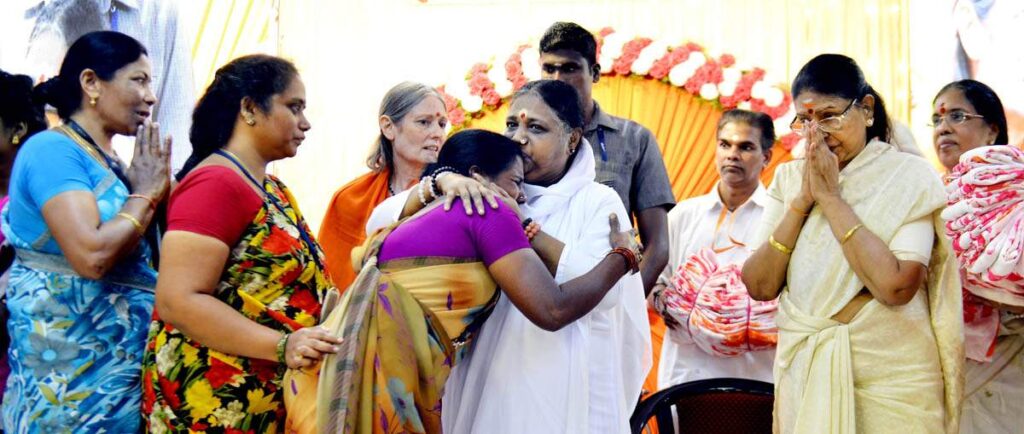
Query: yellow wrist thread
[(779, 246), (849, 233), (135, 222)]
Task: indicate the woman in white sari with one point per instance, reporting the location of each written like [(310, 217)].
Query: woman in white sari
[(587, 376), (870, 326)]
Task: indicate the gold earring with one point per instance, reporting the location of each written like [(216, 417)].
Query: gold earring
[(249, 120), (92, 101), (16, 139), (870, 122)]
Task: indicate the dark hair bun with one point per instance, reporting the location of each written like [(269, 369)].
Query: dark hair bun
[(49, 91)]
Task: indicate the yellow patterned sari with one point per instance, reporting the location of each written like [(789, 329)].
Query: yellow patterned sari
[(405, 324)]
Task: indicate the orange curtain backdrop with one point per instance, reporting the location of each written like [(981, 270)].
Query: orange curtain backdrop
[(683, 123)]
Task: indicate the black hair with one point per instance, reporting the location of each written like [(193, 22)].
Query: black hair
[(258, 77), (570, 36), (18, 104), (758, 120), (985, 102), (104, 52), (562, 98), (490, 152), (839, 75)]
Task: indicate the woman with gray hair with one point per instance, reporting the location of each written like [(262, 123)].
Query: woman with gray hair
[(412, 120)]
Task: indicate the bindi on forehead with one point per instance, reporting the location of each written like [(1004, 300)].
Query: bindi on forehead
[(942, 108), (808, 105), (523, 115)]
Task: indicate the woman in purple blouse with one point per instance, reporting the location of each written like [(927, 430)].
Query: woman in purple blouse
[(427, 284)]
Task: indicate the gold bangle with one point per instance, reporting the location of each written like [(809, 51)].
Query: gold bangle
[(138, 226), (152, 203), (850, 233), (779, 246)]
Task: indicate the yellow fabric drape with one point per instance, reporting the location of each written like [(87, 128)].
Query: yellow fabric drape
[(229, 29), (684, 125)]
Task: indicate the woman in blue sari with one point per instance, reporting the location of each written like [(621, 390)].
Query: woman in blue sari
[(81, 288)]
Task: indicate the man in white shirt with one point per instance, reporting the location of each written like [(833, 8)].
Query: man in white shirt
[(722, 220)]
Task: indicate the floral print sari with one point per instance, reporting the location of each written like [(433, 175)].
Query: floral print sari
[(271, 277), (76, 343)]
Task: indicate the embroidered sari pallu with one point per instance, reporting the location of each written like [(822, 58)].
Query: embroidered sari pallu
[(396, 321)]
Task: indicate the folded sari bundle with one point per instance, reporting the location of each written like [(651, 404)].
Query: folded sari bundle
[(713, 310), (985, 221)]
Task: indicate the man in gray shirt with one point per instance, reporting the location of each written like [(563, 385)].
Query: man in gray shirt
[(628, 158)]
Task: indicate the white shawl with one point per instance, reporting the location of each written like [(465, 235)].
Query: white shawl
[(583, 378)]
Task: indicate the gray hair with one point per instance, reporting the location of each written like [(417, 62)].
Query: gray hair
[(396, 104)]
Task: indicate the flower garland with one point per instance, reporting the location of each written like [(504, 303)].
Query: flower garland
[(717, 80)]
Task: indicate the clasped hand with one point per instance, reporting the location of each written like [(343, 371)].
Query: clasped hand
[(821, 173)]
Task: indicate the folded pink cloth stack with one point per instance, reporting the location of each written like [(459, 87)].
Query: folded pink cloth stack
[(985, 221), (711, 306)]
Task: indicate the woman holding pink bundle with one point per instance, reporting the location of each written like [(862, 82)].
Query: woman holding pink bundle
[(968, 118)]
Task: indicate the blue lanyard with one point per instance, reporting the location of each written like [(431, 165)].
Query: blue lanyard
[(302, 231), (113, 164), (600, 140)]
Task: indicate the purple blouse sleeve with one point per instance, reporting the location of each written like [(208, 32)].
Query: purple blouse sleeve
[(497, 233)]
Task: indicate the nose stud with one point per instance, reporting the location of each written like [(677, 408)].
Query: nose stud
[(522, 141)]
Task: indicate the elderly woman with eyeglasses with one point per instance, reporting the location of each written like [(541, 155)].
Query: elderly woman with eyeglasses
[(870, 328), (968, 117)]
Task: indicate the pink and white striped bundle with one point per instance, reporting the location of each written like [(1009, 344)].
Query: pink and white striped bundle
[(714, 311), (985, 221)]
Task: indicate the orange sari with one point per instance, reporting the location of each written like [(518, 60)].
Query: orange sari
[(344, 226)]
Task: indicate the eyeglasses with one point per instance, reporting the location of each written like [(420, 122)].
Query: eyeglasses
[(830, 124), (954, 117)]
